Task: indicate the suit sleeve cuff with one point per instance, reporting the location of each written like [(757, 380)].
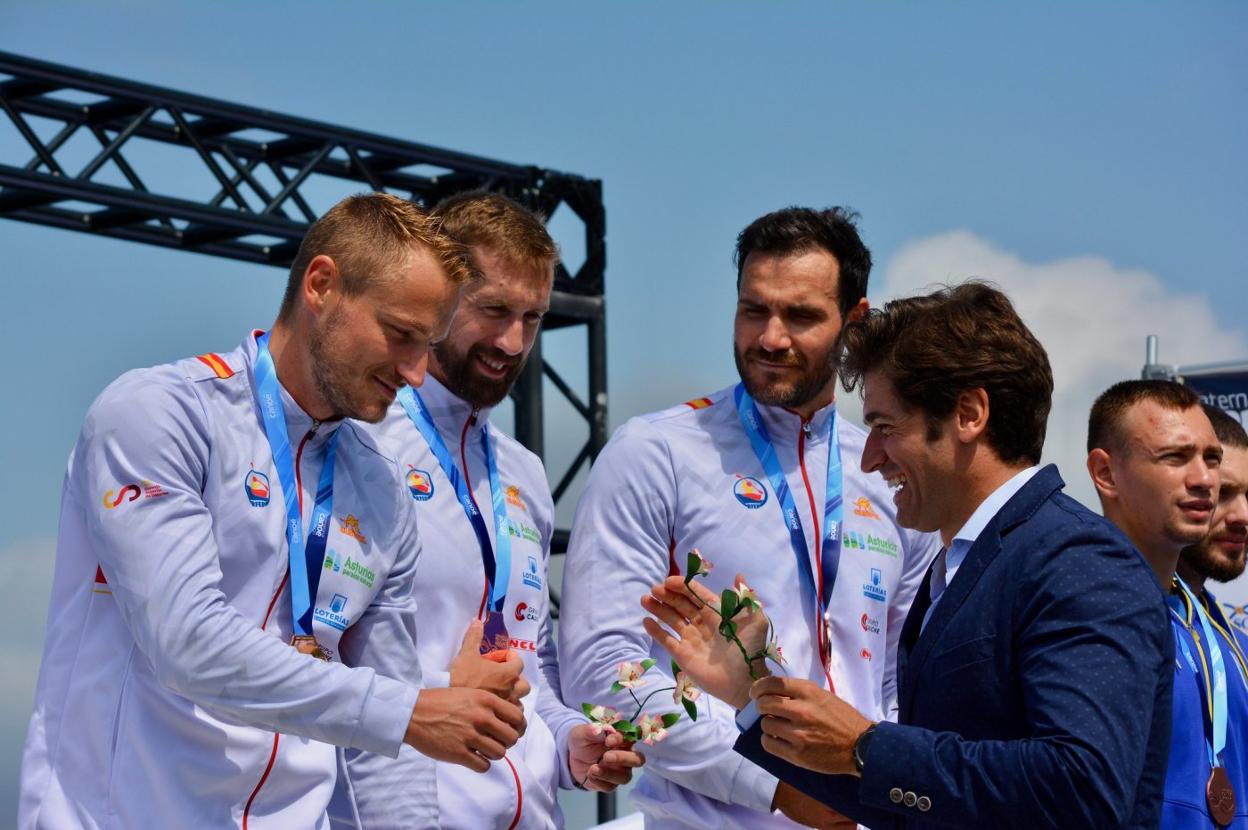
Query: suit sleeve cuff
[(384, 717), (748, 716)]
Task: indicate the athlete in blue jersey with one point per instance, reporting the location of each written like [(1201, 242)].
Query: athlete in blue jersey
[(1163, 478), (1220, 557)]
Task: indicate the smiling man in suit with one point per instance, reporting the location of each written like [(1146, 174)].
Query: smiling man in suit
[(1033, 671)]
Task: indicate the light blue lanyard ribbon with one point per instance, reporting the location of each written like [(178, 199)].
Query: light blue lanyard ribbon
[(1212, 671), (307, 556), (497, 564), (833, 507)]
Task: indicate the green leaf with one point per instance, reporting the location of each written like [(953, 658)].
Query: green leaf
[(616, 688), (727, 603), (646, 664), (728, 628), (690, 708), (675, 669), (587, 708), (626, 728), (693, 564), (670, 718)]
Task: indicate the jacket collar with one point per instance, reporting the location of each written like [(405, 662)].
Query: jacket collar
[(783, 425), (298, 422), (450, 411), (916, 648)]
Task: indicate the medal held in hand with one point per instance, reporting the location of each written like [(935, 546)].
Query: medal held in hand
[(495, 638), (307, 644)]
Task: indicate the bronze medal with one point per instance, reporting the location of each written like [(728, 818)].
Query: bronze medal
[(307, 644), (1221, 797)]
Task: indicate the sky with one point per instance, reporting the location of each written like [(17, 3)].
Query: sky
[(1089, 158)]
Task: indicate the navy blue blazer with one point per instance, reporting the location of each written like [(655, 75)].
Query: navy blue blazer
[(1038, 695)]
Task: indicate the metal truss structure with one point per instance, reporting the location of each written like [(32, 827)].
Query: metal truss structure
[(145, 164)]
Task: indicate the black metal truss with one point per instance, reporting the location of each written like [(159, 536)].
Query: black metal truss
[(263, 167)]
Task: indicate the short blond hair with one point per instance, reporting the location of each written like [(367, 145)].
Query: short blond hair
[(366, 235), (502, 225)]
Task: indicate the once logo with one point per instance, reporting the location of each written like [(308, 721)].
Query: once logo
[(750, 492)]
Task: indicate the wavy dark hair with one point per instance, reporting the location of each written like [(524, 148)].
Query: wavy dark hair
[(936, 346)]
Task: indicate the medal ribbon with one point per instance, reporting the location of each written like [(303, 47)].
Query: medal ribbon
[(1212, 673), (307, 555), (833, 508), (497, 567)]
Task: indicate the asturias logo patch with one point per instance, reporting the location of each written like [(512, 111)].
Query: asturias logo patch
[(750, 492), (256, 484), (419, 484)]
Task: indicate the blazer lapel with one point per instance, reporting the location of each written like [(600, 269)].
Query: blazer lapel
[(1018, 509)]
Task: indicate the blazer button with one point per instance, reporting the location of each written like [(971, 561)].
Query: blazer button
[(895, 795), (909, 799), (924, 804)]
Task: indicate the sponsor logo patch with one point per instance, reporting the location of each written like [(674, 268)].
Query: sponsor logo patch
[(875, 589), (875, 544), (870, 624), (865, 654), (256, 484), (523, 645), (750, 492), (512, 495), (531, 576), (351, 569), (419, 484), (525, 612), (333, 616), (350, 526), (862, 507), (132, 492)]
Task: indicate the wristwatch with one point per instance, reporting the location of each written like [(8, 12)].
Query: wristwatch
[(860, 747)]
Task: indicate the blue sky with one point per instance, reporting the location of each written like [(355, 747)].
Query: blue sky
[(1092, 155)]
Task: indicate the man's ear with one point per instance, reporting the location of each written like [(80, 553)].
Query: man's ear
[(971, 414), (858, 311), (321, 283), (1102, 473)]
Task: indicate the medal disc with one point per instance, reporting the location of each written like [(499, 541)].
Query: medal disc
[(495, 636), (1221, 797), (307, 644)]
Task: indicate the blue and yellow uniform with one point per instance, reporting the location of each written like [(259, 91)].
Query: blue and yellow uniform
[(1185, 804)]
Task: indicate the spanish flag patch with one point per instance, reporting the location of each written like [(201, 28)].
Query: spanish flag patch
[(216, 364)]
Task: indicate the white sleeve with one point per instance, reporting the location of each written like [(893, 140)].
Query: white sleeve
[(391, 792), (161, 561), (919, 549), (620, 546)]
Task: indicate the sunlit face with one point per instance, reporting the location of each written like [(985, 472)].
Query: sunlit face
[(920, 467), (493, 330), (787, 331), (1165, 477), (1220, 555), (365, 347)]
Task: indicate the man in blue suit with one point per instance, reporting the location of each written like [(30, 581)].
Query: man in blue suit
[(1034, 667)]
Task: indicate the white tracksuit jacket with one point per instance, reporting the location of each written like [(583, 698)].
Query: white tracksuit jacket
[(169, 695), (675, 480), (450, 586)]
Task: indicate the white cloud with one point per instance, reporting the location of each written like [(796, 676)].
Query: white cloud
[(1091, 315)]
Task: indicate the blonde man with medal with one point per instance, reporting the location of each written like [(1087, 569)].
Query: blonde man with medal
[(764, 477), (1171, 473), (486, 519), (202, 499)]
